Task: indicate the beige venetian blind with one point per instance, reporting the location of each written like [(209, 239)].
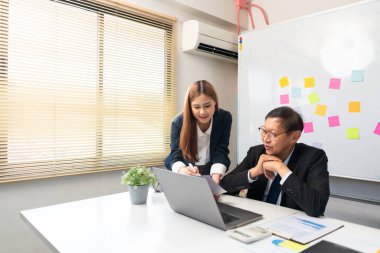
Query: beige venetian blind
[(84, 87)]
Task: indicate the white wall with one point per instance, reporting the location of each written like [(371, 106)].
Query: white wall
[(279, 11)]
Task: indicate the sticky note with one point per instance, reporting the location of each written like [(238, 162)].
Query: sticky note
[(377, 129), (354, 106), (357, 76), (296, 247), (296, 92), (284, 99), (308, 127), (334, 121), (320, 110), (353, 134), (313, 98), (284, 82), (309, 82), (335, 83)]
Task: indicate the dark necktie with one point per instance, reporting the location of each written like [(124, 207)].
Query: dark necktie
[(274, 190)]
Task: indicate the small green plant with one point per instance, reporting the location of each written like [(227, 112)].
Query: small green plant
[(138, 176)]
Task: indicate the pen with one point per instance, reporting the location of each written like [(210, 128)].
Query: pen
[(191, 166)]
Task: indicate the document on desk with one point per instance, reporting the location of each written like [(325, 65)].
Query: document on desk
[(301, 228), (215, 188)]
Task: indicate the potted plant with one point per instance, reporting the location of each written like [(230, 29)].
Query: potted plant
[(138, 179)]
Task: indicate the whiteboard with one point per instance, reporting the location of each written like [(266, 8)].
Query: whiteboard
[(328, 45)]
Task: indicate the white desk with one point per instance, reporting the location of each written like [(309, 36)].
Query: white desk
[(110, 224)]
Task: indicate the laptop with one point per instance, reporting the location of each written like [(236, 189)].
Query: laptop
[(192, 196)]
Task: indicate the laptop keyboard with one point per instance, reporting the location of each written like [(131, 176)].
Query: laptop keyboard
[(227, 218)]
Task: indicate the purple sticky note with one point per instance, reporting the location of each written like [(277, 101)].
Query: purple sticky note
[(308, 127), (284, 99), (335, 83), (377, 129), (334, 121)]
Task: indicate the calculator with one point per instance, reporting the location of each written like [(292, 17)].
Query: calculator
[(249, 234)]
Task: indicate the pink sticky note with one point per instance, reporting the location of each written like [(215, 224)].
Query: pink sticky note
[(377, 129), (284, 99), (308, 127), (334, 121), (335, 83)]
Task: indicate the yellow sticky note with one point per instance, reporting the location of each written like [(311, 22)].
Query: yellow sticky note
[(321, 110), (293, 246), (309, 82), (354, 106), (353, 134), (284, 82), (313, 98)]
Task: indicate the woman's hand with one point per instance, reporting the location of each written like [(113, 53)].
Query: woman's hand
[(189, 170), (216, 177)]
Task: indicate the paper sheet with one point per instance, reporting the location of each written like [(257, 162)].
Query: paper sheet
[(301, 228)]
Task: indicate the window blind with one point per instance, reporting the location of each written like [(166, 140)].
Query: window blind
[(85, 86)]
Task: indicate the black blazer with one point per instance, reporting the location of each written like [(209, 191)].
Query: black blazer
[(219, 140), (306, 189)]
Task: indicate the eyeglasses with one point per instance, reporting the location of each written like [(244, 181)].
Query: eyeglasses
[(270, 134)]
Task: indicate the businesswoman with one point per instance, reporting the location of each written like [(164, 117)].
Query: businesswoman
[(200, 135)]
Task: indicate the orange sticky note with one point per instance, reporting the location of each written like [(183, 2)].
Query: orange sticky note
[(284, 82), (354, 106), (321, 110), (309, 82)]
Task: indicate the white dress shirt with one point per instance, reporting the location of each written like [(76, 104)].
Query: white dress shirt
[(203, 148)]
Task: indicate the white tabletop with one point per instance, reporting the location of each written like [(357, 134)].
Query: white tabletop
[(112, 224)]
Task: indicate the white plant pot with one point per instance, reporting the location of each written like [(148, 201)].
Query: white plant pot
[(138, 194)]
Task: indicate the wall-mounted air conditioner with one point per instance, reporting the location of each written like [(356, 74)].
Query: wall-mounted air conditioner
[(203, 39)]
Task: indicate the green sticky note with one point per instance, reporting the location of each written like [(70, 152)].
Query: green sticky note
[(353, 134), (313, 98)]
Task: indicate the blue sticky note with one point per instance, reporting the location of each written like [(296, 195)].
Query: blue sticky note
[(357, 76), (296, 92)]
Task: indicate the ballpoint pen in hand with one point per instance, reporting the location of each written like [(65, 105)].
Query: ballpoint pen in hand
[(191, 166)]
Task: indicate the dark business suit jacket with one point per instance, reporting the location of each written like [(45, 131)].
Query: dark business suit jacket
[(306, 189), (219, 140)]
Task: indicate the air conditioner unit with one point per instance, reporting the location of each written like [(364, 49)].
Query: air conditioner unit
[(206, 40)]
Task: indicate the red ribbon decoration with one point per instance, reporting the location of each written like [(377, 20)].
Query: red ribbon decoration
[(247, 5)]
